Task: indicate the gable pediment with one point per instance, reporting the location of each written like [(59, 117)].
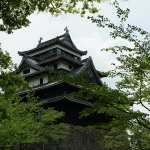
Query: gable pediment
[(67, 40), (24, 66), (29, 65), (92, 75)]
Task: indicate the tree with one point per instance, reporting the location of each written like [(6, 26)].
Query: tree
[(23, 120), (128, 129), (134, 85), (15, 116), (132, 89), (14, 14)]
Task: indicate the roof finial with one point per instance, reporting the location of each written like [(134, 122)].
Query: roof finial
[(89, 59), (40, 41), (67, 31)]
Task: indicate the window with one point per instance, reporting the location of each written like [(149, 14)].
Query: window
[(54, 50), (51, 52), (58, 51), (41, 81), (55, 66), (70, 67), (26, 71)]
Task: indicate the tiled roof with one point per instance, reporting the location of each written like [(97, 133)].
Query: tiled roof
[(42, 86), (76, 100), (58, 57), (30, 62), (46, 85), (85, 64), (67, 40), (64, 39), (34, 64)]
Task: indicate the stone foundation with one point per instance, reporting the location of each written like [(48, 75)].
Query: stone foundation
[(77, 139)]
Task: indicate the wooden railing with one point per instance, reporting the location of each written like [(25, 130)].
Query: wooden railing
[(57, 54)]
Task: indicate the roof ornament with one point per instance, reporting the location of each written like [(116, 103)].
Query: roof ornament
[(89, 59), (40, 41), (67, 31)]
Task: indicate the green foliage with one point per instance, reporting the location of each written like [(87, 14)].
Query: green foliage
[(127, 129), (23, 120), (9, 83), (14, 13), (116, 140), (139, 137), (134, 85), (29, 122)]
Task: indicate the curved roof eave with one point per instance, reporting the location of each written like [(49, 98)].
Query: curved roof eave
[(84, 102), (52, 41), (76, 50), (47, 85), (44, 44)]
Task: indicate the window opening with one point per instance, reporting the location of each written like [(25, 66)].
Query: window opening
[(55, 66), (70, 67), (51, 52), (26, 71), (41, 81), (58, 51), (54, 50)]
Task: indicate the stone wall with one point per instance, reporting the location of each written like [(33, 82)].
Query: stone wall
[(77, 139)]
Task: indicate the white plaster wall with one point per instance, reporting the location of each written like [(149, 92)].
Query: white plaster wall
[(54, 46), (31, 71), (43, 50), (36, 80), (21, 73), (63, 65)]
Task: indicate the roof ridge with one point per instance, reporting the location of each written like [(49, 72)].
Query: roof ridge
[(67, 41), (27, 59), (34, 65), (88, 61)]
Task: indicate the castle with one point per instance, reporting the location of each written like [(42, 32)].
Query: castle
[(61, 54)]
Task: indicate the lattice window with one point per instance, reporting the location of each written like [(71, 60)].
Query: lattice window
[(26, 71)]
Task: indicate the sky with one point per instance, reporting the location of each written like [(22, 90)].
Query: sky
[(85, 34)]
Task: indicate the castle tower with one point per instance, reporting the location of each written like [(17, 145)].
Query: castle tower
[(59, 53)]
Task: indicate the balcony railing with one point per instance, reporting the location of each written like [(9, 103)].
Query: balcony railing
[(51, 55)]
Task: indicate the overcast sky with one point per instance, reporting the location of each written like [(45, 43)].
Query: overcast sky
[(85, 35)]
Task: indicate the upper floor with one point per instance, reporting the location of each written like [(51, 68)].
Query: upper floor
[(59, 53)]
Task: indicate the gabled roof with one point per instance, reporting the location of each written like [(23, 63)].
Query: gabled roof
[(64, 40), (30, 62), (49, 84), (57, 98), (86, 64)]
